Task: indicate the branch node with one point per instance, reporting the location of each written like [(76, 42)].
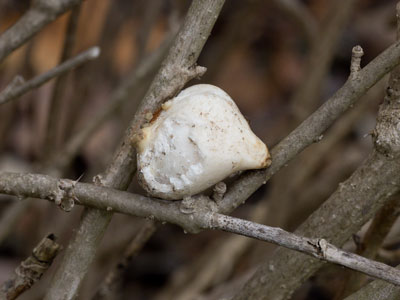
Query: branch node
[(356, 54), (198, 71), (99, 180), (64, 196), (322, 247), (318, 138)]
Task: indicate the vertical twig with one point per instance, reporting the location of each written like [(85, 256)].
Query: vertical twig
[(54, 125)]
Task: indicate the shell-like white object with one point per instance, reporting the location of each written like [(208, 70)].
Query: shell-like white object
[(198, 139)]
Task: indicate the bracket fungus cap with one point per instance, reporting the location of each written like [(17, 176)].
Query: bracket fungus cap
[(199, 138)]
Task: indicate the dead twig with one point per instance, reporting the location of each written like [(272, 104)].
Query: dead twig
[(31, 269), (17, 87)]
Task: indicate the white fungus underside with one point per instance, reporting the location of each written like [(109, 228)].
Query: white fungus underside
[(199, 139)]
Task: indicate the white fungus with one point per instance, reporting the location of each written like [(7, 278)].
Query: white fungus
[(198, 139)]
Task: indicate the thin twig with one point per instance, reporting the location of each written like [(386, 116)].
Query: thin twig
[(31, 269), (53, 134), (200, 216), (39, 15), (11, 93), (177, 69), (318, 248)]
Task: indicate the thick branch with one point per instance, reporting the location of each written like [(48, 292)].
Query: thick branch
[(16, 90), (41, 13)]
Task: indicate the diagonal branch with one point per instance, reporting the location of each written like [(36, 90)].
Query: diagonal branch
[(17, 87), (40, 14)]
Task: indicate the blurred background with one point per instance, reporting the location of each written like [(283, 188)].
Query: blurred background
[(279, 61)]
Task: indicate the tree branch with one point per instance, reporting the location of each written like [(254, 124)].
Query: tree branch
[(193, 215), (318, 248), (40, 14), (31, 269), (17, 87)]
